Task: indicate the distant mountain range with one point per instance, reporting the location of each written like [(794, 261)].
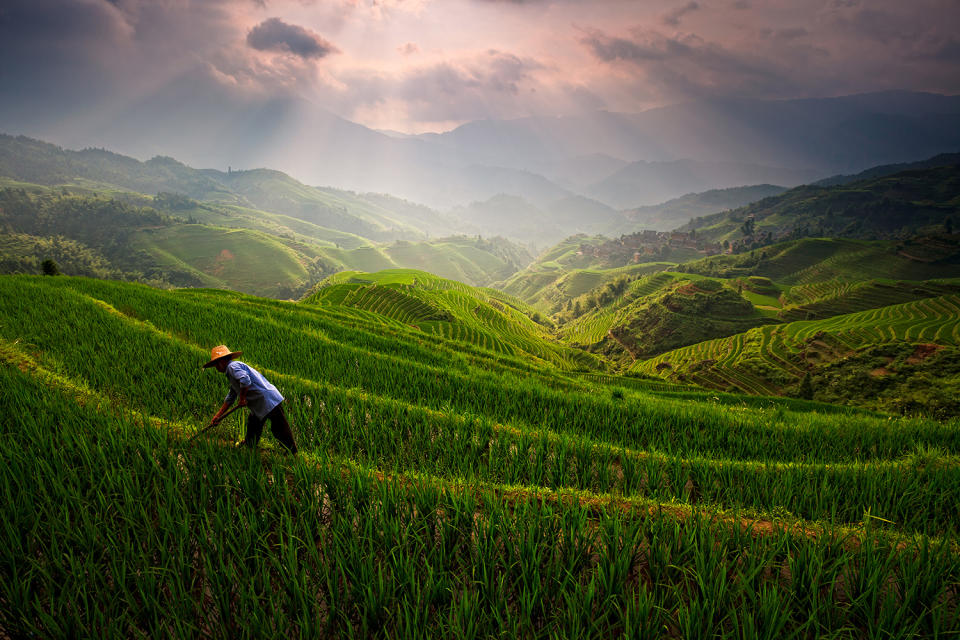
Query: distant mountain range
[(546, 216), (621, 160)]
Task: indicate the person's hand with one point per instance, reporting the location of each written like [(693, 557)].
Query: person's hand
[(216, 419), (242, 402)]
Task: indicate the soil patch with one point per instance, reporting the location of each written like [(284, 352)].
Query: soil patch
[(922, 352)]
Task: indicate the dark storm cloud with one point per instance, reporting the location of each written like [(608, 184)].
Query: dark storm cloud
[(274, 34), (53, 22), (611, 49), (672, 17), (686, 66)]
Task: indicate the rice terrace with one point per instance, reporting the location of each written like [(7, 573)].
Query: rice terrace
[(479, 319)]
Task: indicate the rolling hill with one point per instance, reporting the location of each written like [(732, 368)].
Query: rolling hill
[(564, 273), (679, 211), (173, 240), (485, 318), (899, 205), (660, 312), (376, 217), (901, 357), (810, 260)]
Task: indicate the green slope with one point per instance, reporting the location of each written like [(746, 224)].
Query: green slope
[(174, 240), (811, 260), (374, 216), (237, 259), (899, 357), (485, 318), (662, 312), (425, 466), (565, 272), (901, 204)]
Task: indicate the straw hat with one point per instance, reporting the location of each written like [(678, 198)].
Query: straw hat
[(219, 352)]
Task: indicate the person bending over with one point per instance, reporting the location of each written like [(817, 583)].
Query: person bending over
[(254, 392)]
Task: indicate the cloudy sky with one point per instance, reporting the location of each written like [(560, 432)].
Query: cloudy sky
[(429, 65)]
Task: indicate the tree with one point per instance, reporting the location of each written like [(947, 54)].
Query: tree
[(749, 226), (50, 268), (806, 387)]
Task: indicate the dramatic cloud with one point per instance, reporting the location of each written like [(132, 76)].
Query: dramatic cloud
[(412, 65), (276, 35)]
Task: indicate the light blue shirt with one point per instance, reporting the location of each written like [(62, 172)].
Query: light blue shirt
[(262, 396)]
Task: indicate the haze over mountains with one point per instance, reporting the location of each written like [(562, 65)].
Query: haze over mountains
[(619, 160)]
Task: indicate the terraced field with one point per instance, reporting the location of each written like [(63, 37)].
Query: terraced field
[(548, 285), (667, 310), (484, 318), (838, 297), (766, 359), (592, 327), (440, 488), (814, 260)]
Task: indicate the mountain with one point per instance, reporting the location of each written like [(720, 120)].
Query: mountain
[(679, 211), (523, 221), (895, 205), (850, 132), (257, 231), (646, 183), (381, 218), (542, 158), (579, 172), (510, 216), (941, 160)]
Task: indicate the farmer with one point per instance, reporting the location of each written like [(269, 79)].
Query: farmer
[(255, 392)]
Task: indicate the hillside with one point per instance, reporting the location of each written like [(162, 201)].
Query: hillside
[(902, 357), (679, 211), (172, 240), (500, 489), (485, 318), (376, 217), (811, 260), (940, 160), (646, 183), (891, 206), (564, 273), (658, 313)]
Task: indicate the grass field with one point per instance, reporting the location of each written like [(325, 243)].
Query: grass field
[(441, 488), (237, 259)]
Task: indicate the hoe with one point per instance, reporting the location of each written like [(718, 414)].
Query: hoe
[(212, 425)]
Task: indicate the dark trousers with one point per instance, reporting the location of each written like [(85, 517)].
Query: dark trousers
[(278, 426)]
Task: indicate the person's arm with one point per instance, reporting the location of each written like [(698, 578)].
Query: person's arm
[(227, 403), (243, 381), (223, 409)]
